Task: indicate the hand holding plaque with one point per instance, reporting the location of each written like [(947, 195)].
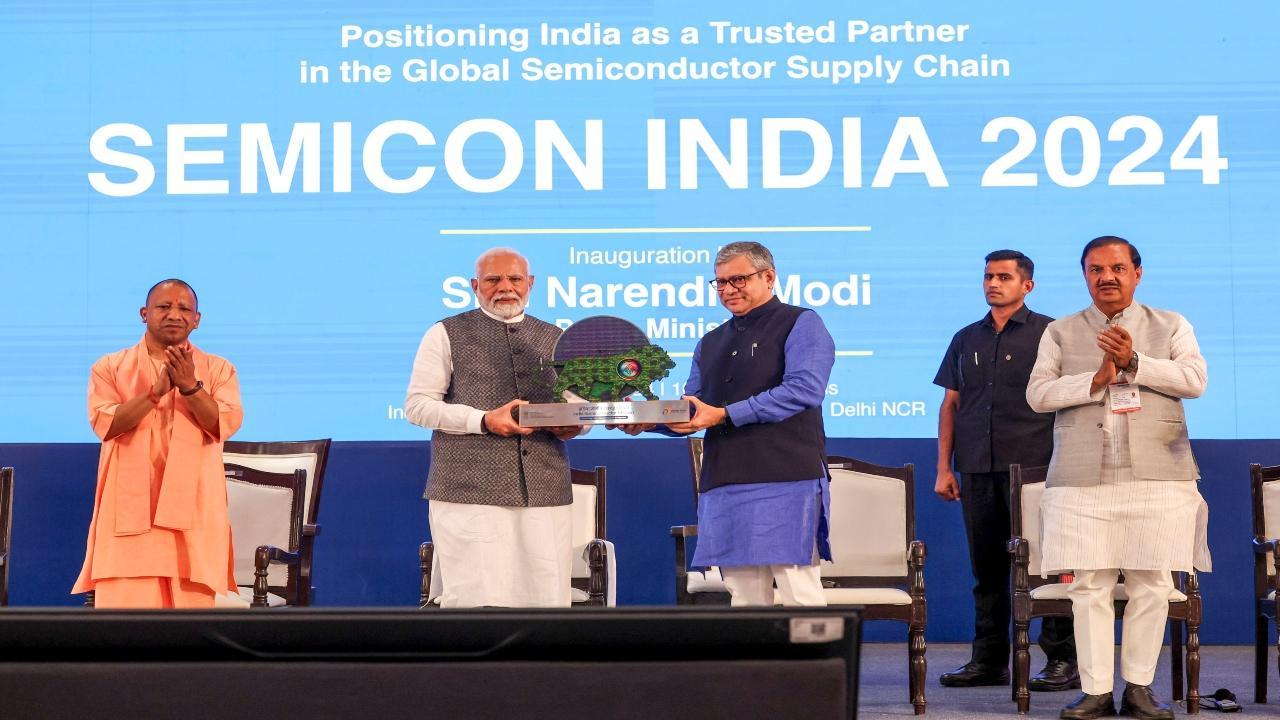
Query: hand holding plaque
[(600, 362), (704, 416)]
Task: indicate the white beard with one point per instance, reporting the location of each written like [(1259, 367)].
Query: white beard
[(505, 310)]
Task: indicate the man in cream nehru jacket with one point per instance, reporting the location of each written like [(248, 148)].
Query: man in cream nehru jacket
[(1121, 492)]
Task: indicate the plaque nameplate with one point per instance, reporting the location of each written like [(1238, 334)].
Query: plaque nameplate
[(659, 412)]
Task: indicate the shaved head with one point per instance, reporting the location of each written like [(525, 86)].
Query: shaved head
[(170, 313), (173, 281)]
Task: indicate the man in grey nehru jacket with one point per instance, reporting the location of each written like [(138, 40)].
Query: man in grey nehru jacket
[(1121, 492), (499, 493)]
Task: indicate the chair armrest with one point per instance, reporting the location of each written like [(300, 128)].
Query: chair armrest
[(267, 554), (681, 534), (916, 553), (310, 530), (426, 556), (1020, 550), (1261, 548), (597, 553)]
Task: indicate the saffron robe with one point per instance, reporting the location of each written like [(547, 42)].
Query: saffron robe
[(161, 502)]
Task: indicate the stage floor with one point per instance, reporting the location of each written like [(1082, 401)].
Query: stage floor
[(883, 691)]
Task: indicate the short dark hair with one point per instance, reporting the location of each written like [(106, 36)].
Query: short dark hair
[(1025, 266), (175, 281), (1105, 240)]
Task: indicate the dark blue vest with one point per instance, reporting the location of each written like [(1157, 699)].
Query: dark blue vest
[(739, 359)]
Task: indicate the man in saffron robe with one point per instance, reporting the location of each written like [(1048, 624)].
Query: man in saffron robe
[(160, 536)]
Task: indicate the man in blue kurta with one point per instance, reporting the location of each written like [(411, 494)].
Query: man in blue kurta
[(757, 385)]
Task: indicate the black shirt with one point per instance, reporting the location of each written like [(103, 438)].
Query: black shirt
[(994, 424)]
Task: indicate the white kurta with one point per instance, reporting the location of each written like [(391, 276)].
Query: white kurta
[(491, 556), (486, 555), (1123, 522)]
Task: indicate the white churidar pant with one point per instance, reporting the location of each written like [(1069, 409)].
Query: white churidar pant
[(497, 556)]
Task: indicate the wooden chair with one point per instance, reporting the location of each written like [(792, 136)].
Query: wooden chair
[(311, 456), (594, 575), (879, 562), (1034, 596), (6, 530), (267, 532), (1266, 569)]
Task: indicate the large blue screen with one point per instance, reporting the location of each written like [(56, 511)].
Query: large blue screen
[(325, 173)]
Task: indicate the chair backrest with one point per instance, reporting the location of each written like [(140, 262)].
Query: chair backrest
[(6, 530), (872, 521), (265, 508), (695, 465), (1026, 488), (1266, 508), (588, 513), (285, 457)]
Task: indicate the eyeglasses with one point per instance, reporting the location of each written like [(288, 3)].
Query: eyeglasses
[(737, 281), (492, 281)]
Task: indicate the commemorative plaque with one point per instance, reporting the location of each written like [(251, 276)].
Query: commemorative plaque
[(600, 362)]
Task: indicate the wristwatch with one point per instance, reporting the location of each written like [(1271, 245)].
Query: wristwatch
[(194, 389), (1132, 367)]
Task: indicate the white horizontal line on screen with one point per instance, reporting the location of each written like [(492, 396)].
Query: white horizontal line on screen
[(657, 230), (839, 353)]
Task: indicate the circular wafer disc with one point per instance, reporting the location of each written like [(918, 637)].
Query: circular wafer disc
[(603, 336)]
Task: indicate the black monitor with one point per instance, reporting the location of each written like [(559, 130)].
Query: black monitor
[(492, 663)]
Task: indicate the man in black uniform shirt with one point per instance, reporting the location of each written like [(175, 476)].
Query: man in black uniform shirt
[(986, 424)]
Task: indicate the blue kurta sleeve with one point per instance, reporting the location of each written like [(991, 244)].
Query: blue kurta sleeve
[(809, 354)]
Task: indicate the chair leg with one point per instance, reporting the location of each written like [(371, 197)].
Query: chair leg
[(919, 668), (1021, 666), (1175, 658), (1260, 648), (1193, 668)]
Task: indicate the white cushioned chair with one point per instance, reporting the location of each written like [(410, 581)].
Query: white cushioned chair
[(1266, 569), (878, 562), (594, 560), (310, 456), (266, 529), (1035, 596)]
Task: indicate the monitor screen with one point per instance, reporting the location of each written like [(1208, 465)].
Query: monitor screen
[(326, 175)]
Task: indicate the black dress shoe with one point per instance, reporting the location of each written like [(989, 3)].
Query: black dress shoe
[(975, 674), (1087, 707), (1056, 675), (1138, 701)]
